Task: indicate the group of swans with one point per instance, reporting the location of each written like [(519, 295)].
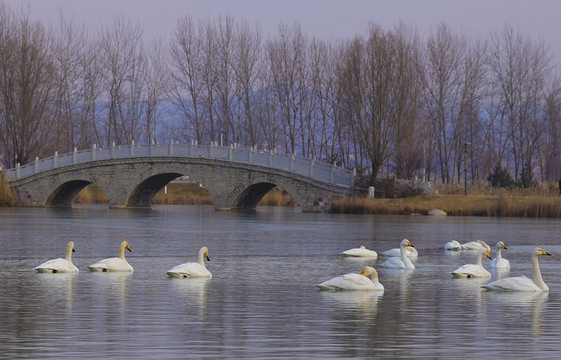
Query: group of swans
[(120, 264), (477, 270), (361, 281), (517, 283), (349, 281)]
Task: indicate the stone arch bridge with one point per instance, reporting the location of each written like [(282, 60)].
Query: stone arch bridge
[(130, 176)]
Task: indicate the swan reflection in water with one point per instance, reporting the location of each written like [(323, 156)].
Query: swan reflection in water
[(520, 303), (470, 289), (404, 276), (365, 300), (112, 285), (193, 291), (58, 288)]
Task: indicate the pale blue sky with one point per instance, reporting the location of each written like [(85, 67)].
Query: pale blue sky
[(330, 19)]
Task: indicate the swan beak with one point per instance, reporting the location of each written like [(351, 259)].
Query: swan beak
[(207, 258), (128, 248), (362, 273), (545, 253), (504, 247), (488, 255), (410, 244), (73, 250)]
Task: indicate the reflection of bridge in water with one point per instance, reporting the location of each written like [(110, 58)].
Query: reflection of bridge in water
[(130, 175)]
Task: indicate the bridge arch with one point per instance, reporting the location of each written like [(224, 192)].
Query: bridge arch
[(63, 195), (144, 192)]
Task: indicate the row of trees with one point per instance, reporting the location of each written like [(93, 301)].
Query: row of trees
[(386, 101)]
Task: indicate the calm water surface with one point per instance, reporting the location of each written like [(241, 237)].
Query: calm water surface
[(261, 302)]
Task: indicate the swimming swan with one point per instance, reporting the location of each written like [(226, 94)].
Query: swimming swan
[(60, 264), (360, 252), (114, 263), (402, 262), (192, 269), (473, 270), (354, 281), (522, 283), (396, 252), (499, 262), (475, 245), (453, 245)]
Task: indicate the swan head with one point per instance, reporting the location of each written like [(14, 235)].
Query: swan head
[(369, 271), (485, 252), (501, 245), (538, 251), (362, 247), (70, 247), (125, 245), (406, 242), (205, 253)]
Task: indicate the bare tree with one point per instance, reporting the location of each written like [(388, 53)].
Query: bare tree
[(187, 78), (286, 58), (122, 61), (247, 55), (92, 91), (26, 87), (156, 84), (519, 67), (69, 49), (384, 96), (442, 82)]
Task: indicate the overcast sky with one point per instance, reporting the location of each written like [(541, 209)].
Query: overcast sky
[(329, 19)]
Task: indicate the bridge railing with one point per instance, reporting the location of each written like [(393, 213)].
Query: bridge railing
[(294, 164)]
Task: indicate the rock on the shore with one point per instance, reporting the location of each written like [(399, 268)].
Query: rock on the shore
[(436, 212)]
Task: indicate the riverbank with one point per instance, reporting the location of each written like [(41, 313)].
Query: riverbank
[(540, 202)]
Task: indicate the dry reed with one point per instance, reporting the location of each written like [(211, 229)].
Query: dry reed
[(6, 196), (499, 203)]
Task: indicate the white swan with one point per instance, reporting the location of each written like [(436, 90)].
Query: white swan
[(360, 252), (354, 281), (453, 245), (396, 252), (402, 262), (499, 262), (475, 245), (192, 269), (59, 265), (522, 283), (473, 270), (114, 263)]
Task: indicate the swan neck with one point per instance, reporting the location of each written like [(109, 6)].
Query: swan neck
[(479, 258), (122, 252), (403, 250), (69, 253), (538, 274), (202, 257), (499, 255)]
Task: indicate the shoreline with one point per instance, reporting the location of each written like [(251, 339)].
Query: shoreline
[(540, 202)]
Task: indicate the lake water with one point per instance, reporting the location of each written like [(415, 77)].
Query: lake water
[(261, 301)]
